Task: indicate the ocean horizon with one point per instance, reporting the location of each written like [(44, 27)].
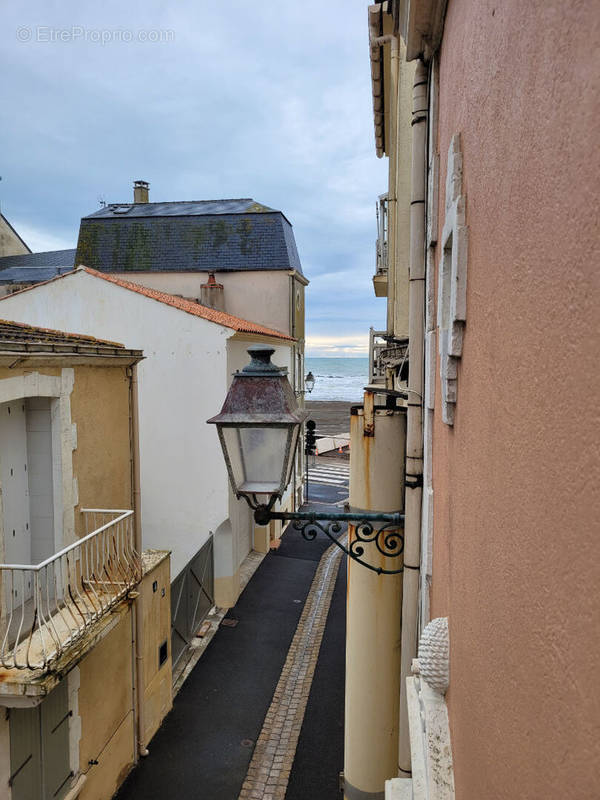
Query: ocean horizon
[(341, 379)]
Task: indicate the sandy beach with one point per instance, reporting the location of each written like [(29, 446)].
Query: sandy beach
[(331, 416)]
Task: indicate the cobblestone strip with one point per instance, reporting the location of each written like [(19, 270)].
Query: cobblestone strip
[(269, 770)]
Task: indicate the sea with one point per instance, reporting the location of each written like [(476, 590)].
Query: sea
[(338, 378)]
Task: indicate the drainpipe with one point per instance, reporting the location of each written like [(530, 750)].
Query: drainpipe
[(414, 440), (377, 438), (138, 643)]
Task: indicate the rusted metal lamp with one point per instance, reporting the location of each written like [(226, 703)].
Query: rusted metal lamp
[(259, 427)]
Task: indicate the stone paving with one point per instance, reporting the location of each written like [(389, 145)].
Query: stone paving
[(270, 767)]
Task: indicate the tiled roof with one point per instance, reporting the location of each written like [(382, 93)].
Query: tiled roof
[(52, 258), (201, 236), (21, 333), (190, 307), (35, 267)]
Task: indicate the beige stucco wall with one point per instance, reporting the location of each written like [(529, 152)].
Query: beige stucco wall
[(10, 244), (106, 711), (516, 481), (259, 296), (102, 460), (157, 680)]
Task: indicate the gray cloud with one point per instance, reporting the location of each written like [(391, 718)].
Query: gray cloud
[(268, 100)]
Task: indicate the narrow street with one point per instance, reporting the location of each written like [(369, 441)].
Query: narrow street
[(261, 715)]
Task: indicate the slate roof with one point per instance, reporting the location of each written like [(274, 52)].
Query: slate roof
[(52, 258), (35, 267), (182, 208), (195, 236)]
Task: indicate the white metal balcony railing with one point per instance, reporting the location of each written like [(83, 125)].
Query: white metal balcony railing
[(381, 245), (49, 606)]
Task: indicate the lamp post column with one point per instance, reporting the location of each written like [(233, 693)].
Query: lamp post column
[(377, 452)]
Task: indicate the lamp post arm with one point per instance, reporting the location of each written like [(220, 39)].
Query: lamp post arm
[(387, 538)]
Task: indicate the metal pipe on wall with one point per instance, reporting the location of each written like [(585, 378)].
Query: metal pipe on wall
[(378, 438), (414, 441), (137, 605)]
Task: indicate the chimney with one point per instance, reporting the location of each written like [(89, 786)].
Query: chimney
[(211, 293), (140, 191)]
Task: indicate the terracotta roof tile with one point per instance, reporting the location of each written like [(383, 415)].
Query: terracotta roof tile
[(190, 307), (11, 332)]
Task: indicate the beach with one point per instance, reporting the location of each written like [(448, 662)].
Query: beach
[(331, 416)]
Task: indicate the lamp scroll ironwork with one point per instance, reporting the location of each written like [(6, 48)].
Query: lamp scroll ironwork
[(259, 428)]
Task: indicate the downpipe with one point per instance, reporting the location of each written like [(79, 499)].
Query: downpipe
[(138, 631), (414, 440)]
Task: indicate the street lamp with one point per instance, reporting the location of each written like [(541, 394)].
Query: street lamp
[(309, 382), (258, 428)]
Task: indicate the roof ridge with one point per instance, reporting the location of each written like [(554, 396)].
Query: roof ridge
[(189, 306), (164, 202)]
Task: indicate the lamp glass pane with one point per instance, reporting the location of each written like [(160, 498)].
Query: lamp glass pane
[(257, 458), (293, 444)]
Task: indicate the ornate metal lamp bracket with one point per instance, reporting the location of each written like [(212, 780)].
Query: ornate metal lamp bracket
[(387, 538)]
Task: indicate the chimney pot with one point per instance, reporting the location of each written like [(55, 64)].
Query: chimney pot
[(211, 293), (140, 191)]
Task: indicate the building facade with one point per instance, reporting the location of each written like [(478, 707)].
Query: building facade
[(191, 353), (77, 596), (491, 275)]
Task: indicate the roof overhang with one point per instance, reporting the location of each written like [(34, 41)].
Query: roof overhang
[(299, 277), (381, 23), (41, 358), (421, 25)]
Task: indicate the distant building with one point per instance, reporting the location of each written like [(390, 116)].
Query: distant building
[(191, 352), (174, 247), (11, 243), (20, 271), (75, 589)]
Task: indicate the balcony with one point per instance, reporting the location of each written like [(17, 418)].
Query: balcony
[(380, 279), (48, 608)]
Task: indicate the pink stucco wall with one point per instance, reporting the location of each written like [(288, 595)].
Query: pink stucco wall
[(516, 482)]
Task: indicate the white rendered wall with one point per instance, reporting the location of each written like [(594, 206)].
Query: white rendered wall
[(260, 296), (182, 382)]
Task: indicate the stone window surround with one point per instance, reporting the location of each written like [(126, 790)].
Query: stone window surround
[(64, 442), (452, 281)]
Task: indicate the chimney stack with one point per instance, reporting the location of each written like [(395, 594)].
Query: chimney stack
[(212, 293), (140, 191)]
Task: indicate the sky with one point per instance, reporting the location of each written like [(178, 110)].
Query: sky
[(261, 99)]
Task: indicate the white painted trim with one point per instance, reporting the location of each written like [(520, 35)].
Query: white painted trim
[(452, 281), (65, 490)]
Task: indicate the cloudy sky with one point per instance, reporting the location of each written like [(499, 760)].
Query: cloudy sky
[(263, 99)]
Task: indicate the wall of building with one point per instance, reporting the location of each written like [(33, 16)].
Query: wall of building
[(516, 479), (260, 296), (155, 594), (105, 709), (10, 244), (100, 404), (182, 382)]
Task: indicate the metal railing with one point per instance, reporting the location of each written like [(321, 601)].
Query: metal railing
[(381, 245), (48, 607)]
